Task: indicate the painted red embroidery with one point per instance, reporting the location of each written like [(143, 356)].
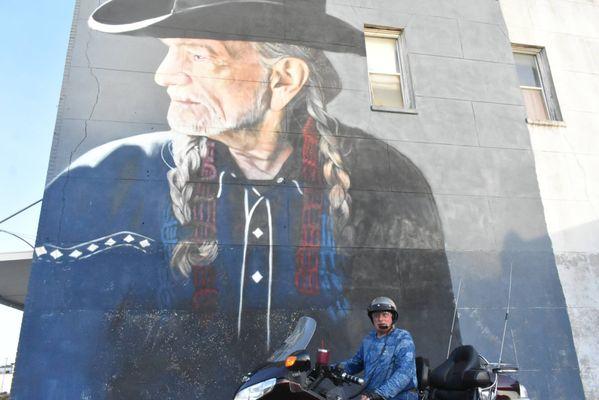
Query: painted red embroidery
[(204, 216), (307, 256)]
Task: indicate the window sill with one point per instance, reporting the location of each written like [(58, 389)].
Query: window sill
[(543, 122), (394, 109)]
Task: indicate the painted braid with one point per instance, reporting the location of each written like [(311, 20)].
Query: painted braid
[(188, 152), (334, 171)]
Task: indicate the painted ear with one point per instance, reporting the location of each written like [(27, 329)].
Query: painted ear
[(288, 77)]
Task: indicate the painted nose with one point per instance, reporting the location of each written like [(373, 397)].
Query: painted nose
[(171, 70)]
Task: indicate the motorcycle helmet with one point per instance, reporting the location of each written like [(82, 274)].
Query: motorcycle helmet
[(382, 304)]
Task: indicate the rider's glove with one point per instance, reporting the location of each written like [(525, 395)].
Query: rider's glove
[(373, 396), (338, 368)]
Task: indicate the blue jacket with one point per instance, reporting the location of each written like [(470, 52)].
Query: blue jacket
[(388, 364)]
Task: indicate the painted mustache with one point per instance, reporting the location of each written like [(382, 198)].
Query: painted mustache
[(210, 105)]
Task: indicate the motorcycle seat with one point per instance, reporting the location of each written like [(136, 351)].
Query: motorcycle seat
[(461, 371), (422, 373)]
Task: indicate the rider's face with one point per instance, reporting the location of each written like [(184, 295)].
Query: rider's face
[(382, 321)]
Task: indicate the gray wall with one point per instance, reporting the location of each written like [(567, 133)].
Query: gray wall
[(471, 140), (566, 155), (468, 138)]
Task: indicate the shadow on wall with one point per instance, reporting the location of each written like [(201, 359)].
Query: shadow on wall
[(577, 258), (538, 337)]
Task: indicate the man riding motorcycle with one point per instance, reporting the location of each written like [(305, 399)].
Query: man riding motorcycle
[(386, 355)]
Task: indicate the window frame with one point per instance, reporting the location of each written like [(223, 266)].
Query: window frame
[(547, 87), (407, 91)]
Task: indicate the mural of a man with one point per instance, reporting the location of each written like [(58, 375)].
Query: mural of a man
[(169, 263)]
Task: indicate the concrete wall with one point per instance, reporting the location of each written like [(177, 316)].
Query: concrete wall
[(567, 157), (445, 204)]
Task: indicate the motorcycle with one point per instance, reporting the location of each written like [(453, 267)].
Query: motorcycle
[(289, 374)]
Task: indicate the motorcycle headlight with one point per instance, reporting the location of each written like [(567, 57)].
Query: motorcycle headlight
[(256, 391)]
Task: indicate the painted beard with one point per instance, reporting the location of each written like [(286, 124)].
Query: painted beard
[(203, 119)]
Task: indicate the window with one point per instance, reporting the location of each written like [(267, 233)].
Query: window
[(536, 84), (388, 75)]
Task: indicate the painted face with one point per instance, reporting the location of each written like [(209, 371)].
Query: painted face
[(382, 321), (214, 86)]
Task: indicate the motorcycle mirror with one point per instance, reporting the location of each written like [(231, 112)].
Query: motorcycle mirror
[(299, 361), (505, 369)]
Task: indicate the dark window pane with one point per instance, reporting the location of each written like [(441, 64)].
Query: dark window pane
[(528, 73)]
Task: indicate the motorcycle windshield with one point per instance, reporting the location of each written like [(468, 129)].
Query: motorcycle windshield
[(298, 340)]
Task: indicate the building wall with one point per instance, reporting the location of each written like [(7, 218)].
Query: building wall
[(567, 156), (446, 207)]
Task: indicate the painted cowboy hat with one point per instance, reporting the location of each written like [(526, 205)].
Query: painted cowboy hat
[(303, 22)]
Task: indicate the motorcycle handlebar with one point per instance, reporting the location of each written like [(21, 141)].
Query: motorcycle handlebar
[(351, 378)]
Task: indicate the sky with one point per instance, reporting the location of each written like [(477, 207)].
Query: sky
[(34, 39)]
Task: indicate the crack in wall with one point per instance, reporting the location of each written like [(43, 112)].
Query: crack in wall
[(85, 132)]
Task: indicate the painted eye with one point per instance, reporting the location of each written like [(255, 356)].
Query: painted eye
[(198, 57)]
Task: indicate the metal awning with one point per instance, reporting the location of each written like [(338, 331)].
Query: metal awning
[(14, 277)]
